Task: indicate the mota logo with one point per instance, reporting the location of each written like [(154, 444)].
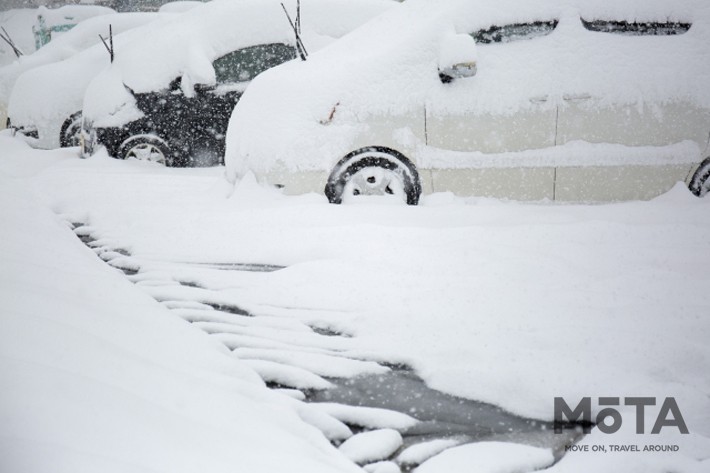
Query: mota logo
[(609, 420)]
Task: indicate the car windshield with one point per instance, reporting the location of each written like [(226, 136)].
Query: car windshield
[(245, 64)]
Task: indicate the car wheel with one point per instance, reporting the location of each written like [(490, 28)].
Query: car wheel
[(146, 148), (374, 170), (700, 183), (71, 131)]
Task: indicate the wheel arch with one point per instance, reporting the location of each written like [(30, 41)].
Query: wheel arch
[(65, 125), (699, 183)]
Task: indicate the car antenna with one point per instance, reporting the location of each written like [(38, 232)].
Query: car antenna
[(6, 37), (296, 27), (109, 46)]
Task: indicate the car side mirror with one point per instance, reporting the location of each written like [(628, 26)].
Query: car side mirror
[(457, 57), (461, 70)]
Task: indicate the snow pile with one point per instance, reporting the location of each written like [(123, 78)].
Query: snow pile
[(371, 446), (79, 38), (368, 417), (99, 377), (457, 49), (382, 467), (574, 153), (180, 6), (417, 454), (488, 457)]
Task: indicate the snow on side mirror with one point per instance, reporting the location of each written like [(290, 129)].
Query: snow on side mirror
[(457, 58)]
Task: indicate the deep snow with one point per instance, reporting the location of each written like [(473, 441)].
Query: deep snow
[(503, 302), (97, 376)]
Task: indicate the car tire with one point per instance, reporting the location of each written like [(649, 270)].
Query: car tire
[(700, 182), (374, 170), (146, 148), (71, 131)]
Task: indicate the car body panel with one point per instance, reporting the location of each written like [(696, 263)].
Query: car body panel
[(617, 183), (590, 119), (531, 128)]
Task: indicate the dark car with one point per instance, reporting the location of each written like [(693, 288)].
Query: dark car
[(169, 93), (187, 130)]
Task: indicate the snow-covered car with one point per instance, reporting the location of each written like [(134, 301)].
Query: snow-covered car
[(562, 100), (18, 26), (169, 95), (179, 6), (54, 22), (78, 39), (45, 102)]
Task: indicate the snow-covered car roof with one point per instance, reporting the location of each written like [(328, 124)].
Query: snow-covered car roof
[(43, 97), (180, 6), (20, 23), (185, 46), (71, 13), (189, 43), (82, 36), (397, 56)]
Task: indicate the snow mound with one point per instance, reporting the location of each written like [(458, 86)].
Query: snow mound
[(368, 417), (98, 376), (382, 467), (371, 446), (420, 452), (488, 457)]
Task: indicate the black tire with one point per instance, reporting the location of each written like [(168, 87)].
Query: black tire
[(146, 147), (700, 182), (71, 131), (374, 158)]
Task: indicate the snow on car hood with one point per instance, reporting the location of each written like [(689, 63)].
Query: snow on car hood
[(389, 67), (186, 46)]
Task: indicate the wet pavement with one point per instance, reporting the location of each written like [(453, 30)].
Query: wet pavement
[(294, 348), (442, 416)]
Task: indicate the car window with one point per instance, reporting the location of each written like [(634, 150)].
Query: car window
[(633, 28), (245, 64), (514, 32)]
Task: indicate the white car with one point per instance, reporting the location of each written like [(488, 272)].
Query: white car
[(562, 100), (45, 102)]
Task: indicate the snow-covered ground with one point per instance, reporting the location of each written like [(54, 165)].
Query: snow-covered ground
[(507, 303)]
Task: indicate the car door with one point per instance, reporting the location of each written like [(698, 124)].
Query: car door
[(497, 111), (631, 97)]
